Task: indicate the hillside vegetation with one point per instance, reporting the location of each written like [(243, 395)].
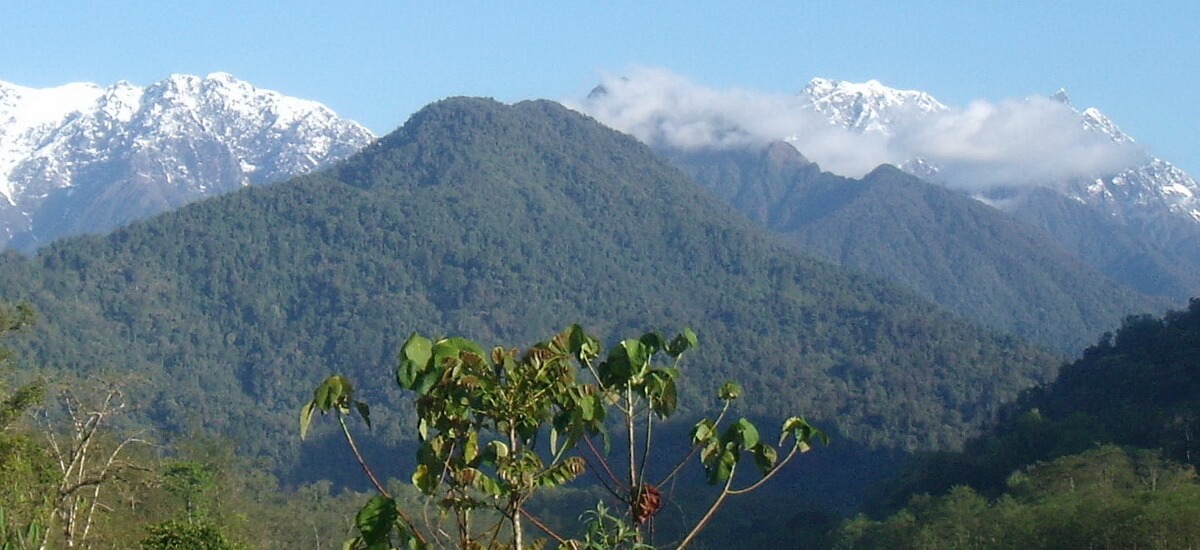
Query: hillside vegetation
[(1105, 456), (499, 223), (966, 256)]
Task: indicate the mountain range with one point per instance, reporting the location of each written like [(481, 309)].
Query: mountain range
[(81, 158), (502, 224), (1151, 209), (1073, 175), (962, 254)]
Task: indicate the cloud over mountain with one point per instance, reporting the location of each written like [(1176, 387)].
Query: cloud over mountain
[(1011, 143)]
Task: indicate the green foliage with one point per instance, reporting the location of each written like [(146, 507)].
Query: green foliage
[(1104, 498), (482, 417), (27, 472), (17, 535), (608, 532), (335, 393), (185, 535), (16, 402), (190, 482), (1139, 387)]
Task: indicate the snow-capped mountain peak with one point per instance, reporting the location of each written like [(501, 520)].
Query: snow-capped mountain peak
[(22, 109), (92, 158), (868, 106), (1094, 120), (1150, 194)]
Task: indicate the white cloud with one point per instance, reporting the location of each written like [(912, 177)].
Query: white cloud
[(1013, 143)]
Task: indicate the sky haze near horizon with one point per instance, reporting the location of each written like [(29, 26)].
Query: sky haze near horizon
[(377, 62)]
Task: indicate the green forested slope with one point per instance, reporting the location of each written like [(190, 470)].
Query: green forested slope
[(1104, 456), (1139, 387), (962, 254), (501, 224)]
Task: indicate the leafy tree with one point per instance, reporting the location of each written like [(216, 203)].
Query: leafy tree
[(26, 470), (13, 404), (178, 534), (497, 427)]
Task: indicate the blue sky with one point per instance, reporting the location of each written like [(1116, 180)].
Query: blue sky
[(378, 62)]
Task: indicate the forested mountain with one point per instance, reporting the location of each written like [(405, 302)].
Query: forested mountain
[(1050, 472), (502, 224), (1129, 257), (947, 247), (1072, 174)]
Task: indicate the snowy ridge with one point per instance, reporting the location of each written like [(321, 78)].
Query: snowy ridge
[(81, 158), (867, 107), (1145, 194)]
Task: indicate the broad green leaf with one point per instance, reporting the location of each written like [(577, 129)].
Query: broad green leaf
[(710, 453), (414, 359), (685, 340), (702, 431), (748, 432), (765, 458), (587, 407), (667, 400), (426, 380), (424, 479), (452, 347), (653, 343), (583, 347), (306, 418), (598, 413), (498, 449), (804, 433), (723, 468), (375, 521), (742, 433), (471, 447), (335, 391), (639, 356), (617, 369)]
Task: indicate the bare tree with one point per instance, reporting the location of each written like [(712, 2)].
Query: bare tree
[(86, 462)]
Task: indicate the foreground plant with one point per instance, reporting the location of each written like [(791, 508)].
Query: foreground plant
[(497, 427)]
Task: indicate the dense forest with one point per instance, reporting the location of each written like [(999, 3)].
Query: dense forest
[(1103, 457), (949, 248)]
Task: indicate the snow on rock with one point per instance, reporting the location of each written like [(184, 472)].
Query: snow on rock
[(867, 107), (81, 158), (1145, 194)]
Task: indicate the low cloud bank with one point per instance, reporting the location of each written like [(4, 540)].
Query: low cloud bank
[(1013, 143)]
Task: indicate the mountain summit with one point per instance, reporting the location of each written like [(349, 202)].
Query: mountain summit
[(1149, 195), (868, 106), (80, 158)]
